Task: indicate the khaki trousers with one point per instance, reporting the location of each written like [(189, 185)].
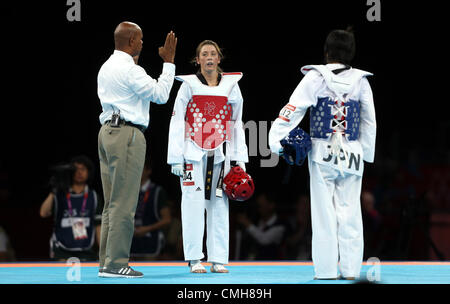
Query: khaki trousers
[(122, 155)]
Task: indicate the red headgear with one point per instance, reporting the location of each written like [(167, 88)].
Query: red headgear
[(238, 185)]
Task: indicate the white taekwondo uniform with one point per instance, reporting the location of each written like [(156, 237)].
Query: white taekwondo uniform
[(342, 122), (203, 119)]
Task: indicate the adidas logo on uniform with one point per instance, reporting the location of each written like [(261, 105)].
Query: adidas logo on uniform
[(198, 189)]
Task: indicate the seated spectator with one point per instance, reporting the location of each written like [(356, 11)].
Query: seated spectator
[(6, 251), (76, 212), (298, 239), (372, 221), (261, 241), (173, 247), (152, 216)]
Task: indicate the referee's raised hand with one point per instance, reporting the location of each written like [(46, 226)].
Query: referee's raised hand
[(167, 52)]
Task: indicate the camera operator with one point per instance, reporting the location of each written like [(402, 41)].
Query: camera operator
[(74, 206)]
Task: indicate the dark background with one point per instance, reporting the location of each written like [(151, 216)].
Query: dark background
[(50, 107)]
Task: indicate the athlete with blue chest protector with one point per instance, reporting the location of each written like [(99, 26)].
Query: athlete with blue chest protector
[(342, 131)]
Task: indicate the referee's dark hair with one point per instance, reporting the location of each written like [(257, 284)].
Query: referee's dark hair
[(340, 46), (87, 162)]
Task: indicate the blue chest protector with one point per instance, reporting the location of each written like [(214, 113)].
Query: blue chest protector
[(322, 119), (336, 113)]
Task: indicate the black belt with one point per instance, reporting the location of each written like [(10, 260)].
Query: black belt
[(124, 122), (209, 174)]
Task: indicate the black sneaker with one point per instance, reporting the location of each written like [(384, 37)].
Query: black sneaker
[(124, 272), (101, 270)]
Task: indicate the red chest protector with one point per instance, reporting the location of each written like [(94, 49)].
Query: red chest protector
[(209, 114), (208, 121)]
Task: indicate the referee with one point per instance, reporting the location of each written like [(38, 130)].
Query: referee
[(125, 92)]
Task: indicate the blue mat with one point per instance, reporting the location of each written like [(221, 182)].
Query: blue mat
[(251, 274)]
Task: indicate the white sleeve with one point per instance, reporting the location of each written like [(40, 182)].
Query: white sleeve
[(177, 126), (368, 126), (239, 151), (304, 96), (149, 89)]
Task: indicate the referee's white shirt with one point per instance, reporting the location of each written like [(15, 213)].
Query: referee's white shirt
[(125, 86)]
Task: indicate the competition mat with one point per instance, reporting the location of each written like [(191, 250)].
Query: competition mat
[(241, 272)]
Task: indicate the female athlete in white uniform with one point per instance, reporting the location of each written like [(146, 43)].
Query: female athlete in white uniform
[(205, 134)]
